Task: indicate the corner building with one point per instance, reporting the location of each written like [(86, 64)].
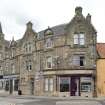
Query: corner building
[(58, 61)]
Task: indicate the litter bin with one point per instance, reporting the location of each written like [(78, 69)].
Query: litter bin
[(19, 92)]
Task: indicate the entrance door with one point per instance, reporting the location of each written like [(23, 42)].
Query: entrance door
[(75, 86), (32, 86), (11, 86)]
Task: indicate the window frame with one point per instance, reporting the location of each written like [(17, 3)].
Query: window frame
[(79, 60), (48, 43), (79, 39), (49, 60)]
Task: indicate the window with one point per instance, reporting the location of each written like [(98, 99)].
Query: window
[(46, 84), (12, 53), (13, 68), (48, 43), (16, 85), (81, 60), (7, 85), (28, 47), (6, 67), (64, 84), (49, 62), (0, 56), (29, 65), (86, 87), (1, 84), (51, 84), (78, 60), (76, 39), (79, 39)]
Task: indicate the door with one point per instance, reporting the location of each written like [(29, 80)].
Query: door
[(32, 86), (75, 86), (11, 86)]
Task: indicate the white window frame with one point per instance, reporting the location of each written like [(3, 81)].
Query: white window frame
[(49, 60), (79, 39), (76, 41)]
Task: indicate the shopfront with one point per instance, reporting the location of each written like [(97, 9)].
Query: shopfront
[(75, 86), (11, 84)]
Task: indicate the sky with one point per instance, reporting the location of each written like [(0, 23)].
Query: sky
[(14, 14)]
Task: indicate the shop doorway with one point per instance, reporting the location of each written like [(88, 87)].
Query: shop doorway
[(11, 86), (75, 86)]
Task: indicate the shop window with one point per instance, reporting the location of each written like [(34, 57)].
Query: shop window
[(64, 84), (16, 85), (85, 87), (7, 86), (1, 84), (49, 84)]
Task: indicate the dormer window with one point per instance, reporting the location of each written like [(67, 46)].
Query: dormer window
[(48, 31), (79, 39)]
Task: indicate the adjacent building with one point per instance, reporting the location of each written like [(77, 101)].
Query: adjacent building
[(101, 69), (58, 61)]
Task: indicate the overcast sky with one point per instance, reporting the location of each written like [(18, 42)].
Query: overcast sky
[(14, 14)]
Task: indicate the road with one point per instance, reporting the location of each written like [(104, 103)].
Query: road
[(33, 100)]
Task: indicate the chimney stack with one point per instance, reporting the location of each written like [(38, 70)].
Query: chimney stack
[(78, 10), (88, 18)]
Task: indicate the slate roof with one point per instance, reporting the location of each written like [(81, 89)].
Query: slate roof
[(7, 43), (57, 30), (101, 49)]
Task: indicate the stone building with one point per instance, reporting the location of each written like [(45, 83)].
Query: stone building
[(58, 61), (66, 55)]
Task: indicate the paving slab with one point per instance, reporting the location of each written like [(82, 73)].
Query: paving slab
[(78, 103)]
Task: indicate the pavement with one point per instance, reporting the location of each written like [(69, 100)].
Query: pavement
[(44, 100)]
